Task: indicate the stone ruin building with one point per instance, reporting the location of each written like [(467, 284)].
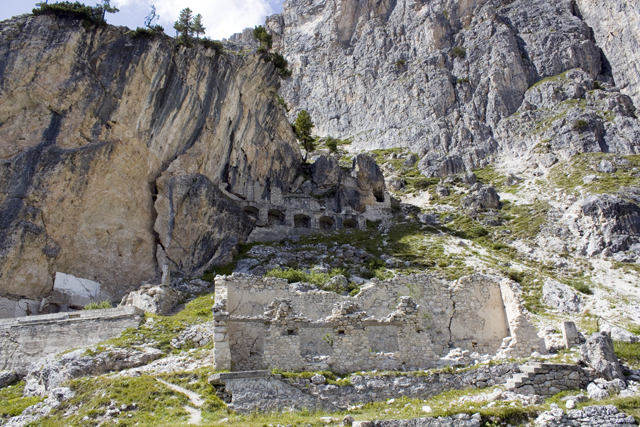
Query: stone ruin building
[(330, 198), (407, 323)]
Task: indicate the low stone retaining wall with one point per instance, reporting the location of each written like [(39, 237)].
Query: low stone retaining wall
[(260, 391), (27, 339), (547, 379), (585, 417), (460, 420)]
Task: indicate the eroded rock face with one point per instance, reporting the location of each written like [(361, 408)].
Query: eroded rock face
[(90, 120), (437, 77), (567, 115), (616, 28), (194, 242)]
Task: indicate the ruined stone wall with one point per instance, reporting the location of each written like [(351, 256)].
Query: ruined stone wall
[(25, 340), (406, 323), (273, 393)]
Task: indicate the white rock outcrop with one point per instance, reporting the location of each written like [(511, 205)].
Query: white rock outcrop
[(156, 299)]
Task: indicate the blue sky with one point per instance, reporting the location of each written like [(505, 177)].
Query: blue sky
[(222, 18)]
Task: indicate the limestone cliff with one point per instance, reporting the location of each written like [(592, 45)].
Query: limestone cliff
[(440, 77), (113, 148), (616, 29)]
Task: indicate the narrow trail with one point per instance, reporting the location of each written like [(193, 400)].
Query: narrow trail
[(195, 415)]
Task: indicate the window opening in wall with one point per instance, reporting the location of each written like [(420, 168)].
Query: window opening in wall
[(327, 223), (350, 223), (302, 221), (340, 332), (291, 332), (252, 212), (276, 217)]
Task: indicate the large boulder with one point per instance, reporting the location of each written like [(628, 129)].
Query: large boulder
[(8, 378), (598, 354), (156, 299), (619, 334), (481, 197), (74, 292), (368, 175), (325, 172), (561, 297)]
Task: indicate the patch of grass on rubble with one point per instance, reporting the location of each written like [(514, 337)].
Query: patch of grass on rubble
[(142, 401), (158, 331), (321, 280), (12, 403), (198, 382), (569, 175), (628, 352)]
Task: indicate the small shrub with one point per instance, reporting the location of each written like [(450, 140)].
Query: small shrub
[(146, 32), (215, 45), (400, 63), (582, 287), (77, 10), (102, 305), (281, 102), (261, 34), (446, 14), (598, 85), (458, 52), (281, 64), (580, 125), (332, 144), (465, 80)]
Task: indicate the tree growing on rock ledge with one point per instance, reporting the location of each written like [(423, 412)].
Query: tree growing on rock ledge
[(261, 34), (77, 10), (302, 128), (184, 26)]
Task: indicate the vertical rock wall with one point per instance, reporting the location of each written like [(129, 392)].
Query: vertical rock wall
[(436, 76), (96, 125), (616, 29)]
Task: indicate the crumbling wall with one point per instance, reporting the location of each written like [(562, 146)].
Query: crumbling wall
[(273, 393), (406, 323), (479, 321), (27, 339)]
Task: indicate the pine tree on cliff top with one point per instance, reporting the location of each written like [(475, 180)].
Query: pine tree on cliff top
[(198, 28), (184, 26)]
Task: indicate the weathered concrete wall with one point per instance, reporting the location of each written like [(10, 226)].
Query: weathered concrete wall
[(406, 323), (27, 339)]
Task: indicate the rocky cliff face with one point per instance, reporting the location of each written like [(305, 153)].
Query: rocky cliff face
[(113, 150), (616, 29), (441, 77)]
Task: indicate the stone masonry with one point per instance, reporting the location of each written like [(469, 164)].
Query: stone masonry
[(261, 391), (27, 339), (547, 379), (407, 323)]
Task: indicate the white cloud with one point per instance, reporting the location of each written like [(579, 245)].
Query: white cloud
[(222, 18)]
